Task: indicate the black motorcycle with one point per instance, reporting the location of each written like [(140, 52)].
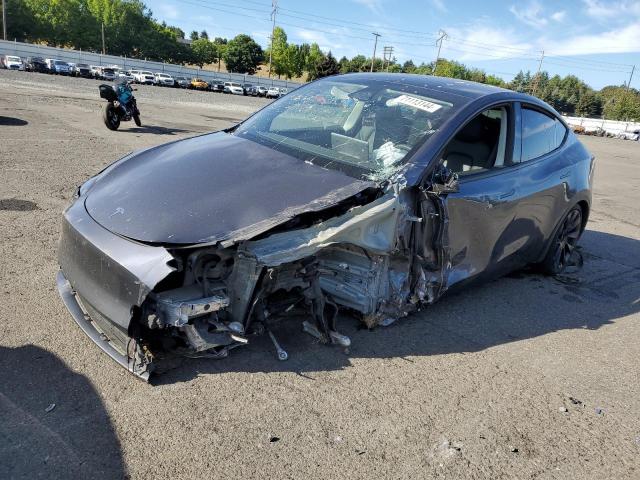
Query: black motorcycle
[(115, 112)]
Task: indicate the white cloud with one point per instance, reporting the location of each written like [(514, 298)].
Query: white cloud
[(476, 42), (374, 5), (559, 16), (336, 44), (168, 11), (618, 40), (612, 10), (531, 14)]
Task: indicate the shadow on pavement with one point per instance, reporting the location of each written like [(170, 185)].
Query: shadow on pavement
[(74, 440), (157, 130), (513, 308), (12, 122)]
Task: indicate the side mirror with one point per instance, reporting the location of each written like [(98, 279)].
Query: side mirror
[(444, 180)]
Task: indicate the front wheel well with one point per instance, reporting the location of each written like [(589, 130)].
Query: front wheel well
[(584, 206)]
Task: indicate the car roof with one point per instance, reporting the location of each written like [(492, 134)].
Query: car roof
[(455, 86)]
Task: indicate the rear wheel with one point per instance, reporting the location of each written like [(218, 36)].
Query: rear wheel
[(136, 118), (563, 242), (110, 117)]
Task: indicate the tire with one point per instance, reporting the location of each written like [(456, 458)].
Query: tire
[(110, 117), (563, 242), (136, 119)]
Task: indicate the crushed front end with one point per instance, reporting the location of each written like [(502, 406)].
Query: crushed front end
[(135, 300)]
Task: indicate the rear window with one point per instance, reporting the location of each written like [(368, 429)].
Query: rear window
[(541, 134)]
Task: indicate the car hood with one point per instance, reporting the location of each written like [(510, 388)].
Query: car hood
[(209, 189)]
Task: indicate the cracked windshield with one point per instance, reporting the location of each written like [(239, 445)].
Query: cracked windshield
[(365, 129)]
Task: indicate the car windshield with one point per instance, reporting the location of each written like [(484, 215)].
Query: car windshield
[(82, 65), (13, 59), (365, 129), (147, 73), (108, 70), (59, 62)]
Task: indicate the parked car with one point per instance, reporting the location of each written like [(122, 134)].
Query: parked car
[(246, 88), (260, 91), (35, 64), (182, 82), (234, 88), (61, 68), (377, 194), (283, 91), (216, 85), (11, 62), (81, 70), (163, 80), (198, 84), (127, 75), (96, 72), (143, 76), (108, 73), (273, 92)]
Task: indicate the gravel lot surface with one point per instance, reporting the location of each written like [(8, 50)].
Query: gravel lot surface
[(525, 377)]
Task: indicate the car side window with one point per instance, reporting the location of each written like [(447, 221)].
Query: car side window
[(541, 134), (481, 144)]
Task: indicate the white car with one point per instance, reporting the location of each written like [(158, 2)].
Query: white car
[(11, 62), (128, 76), (109, 74), (143, 76), (234, 88), (96, 71), (273, 92), (163, 80)]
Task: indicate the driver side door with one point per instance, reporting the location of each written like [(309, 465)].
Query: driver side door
[(483, 235)]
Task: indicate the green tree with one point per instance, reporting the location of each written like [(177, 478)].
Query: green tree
[(204, 52), (204, 34), (313, 60), (329, 66), (408, 67), (243, 55), (194, 35), (278, 53)]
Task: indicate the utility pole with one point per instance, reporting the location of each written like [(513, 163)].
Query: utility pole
[(535, 82), (633, 69), (387, 54), (274, 10), (103, 49), (374, 49), (4, 19), (443, 36)]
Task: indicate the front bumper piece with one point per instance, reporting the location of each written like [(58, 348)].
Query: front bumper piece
[(89, 327)]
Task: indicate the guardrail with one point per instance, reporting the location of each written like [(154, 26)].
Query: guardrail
[(125, 63)]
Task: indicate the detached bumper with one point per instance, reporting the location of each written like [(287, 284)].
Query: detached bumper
[(85, 322)]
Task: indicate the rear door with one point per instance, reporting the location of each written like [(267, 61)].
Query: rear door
[(545, 173)]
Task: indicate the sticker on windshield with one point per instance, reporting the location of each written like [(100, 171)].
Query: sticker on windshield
[(414, 102)]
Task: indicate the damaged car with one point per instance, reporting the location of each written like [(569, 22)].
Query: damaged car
[(364, 195)]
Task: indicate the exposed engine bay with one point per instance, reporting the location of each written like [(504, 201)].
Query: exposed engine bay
[(359, 263)]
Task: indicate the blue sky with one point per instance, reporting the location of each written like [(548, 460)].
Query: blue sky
[(596, 40)]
